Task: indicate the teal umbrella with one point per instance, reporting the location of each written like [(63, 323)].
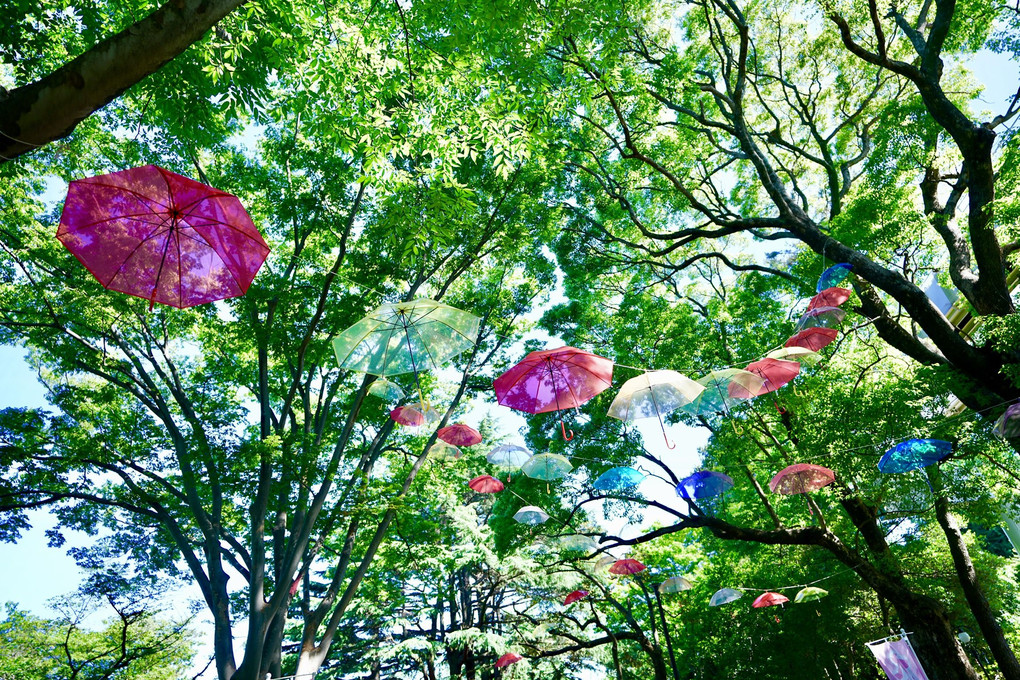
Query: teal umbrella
[(547, 467), (914, 454), (618, 478)]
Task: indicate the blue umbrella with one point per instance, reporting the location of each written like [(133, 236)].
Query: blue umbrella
[(914, 454), (833, 276), (618, 478), (703, 484)]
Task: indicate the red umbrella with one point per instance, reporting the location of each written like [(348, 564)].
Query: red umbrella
[(507, 659), (486, 484), (774, 373), (626, 567), (830, 297), (460, 435), (553, 380), (801, 478), (162, 237), (813, 339), (769, 600), (408, 415), (574, 597)]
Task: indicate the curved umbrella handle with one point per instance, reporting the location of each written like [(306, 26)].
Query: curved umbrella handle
[(563, 429), (670, 445)]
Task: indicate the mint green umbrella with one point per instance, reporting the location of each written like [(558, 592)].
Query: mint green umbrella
[(547, 467), (810, 594)]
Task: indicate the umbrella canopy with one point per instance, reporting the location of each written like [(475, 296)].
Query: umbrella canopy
[(802, 355), (1008, 424), (703, 484), (485, 484), (724, 596), (509, 456), (830, 297), (618, 478), (605, 561), (460, 435), (675, 584), (801, 478), (408, 415), (723, 388), (443, 451), (814, 339), (821, 317), (532, 515), (386, 390), (574, 597), (576, 543), (769, 600), (810, 594), (154, 234), (774, 373), (553, 380), (653, 395), (626, 567), (507, 659), (914, 454), (547, 466), (833, 276), (406, 337)]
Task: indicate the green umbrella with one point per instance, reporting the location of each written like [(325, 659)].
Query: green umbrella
[(386, 390), (547, 466), (810, 594)]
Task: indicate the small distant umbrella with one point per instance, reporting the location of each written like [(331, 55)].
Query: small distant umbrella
[(914, 454), (802, 355), (618, 478), (460, 435), (386, 390), (722, 389), (769, 600), (507, 659), (654, 394), (810, 594), (509, 456), (547, 467), (821, 317), (605, 561), (486, 484), (833, 276), (408, 416), (774, 373), (830, 297), (1008, 424), (443, 451), (532, 515), (675, 584), (574, 597), (814, 339), (703, 484), (724, 596), (576, 543), (801, 478), (626, 567)]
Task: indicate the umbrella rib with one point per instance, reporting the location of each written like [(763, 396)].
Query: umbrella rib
[(214, 221), (142, 198), (107, 220), (205, 241), (180, 276), (134, 250)]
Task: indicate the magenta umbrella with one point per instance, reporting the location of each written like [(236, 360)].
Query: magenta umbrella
[(553, 380), (801, 478), (162, 237)]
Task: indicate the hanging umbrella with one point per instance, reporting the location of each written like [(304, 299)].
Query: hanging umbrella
[(653, 395), (408, 415), (547, 467), (532, 515), (574, 597), (833, 276), (914, 454), (443, 451), (1008, 424), (675, 584), (626, 567), (810, 594), (769, 600), (460, 435), (774, 373), (813, 339), (821, 317), (507, 659), (605, 561), (801, 478), (553, 380), (154, 234), (830, 297), (485, 484), (386, 390), (576, 543), (509, 456), (722, 389), (724, 596), (802, 355), (703, 484), (618, 478)]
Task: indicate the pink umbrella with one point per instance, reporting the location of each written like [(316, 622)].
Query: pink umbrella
[(813, 339), (626, 567), (769, 600), (162, 237), (507, 659), (801, 478), (486, 484), (460, 435), (774, 373), (830, 297), (574, 597), (408, 415), (553, 380)]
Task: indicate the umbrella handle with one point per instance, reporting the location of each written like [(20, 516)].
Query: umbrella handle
[(669, 445), (563, 429)]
